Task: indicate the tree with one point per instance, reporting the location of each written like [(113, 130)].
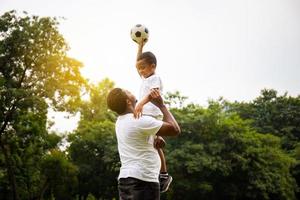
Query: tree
[(35, 73), (219, 156), (277, 115), (270, 113), (93, 146), (174, 99), (60, 177), (95, 109), (94, 151)]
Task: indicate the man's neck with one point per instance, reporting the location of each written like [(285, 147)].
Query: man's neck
[(127, 111)]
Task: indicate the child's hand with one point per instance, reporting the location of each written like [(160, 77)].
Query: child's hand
[(138, 111), (141, 44)]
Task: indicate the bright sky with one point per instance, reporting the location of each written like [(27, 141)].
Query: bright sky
[(205, 49)]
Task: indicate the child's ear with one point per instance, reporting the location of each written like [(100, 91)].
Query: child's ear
[(153, 65)]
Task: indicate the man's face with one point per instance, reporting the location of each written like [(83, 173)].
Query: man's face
[(145, 69), (131, 98)]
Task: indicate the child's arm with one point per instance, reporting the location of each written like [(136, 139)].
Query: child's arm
[(140, 49), (139, 107)]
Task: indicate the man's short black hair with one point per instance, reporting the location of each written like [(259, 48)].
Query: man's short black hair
[(116, 100), (148, 56)]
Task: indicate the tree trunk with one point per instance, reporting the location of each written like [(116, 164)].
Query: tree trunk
[(10, 170), (43, 190)]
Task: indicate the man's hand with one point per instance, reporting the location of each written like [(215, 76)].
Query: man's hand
[(155, 97), (138, 110), (159, 142)]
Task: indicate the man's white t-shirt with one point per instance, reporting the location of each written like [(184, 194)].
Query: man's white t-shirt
[(149, 83), (139, 159)]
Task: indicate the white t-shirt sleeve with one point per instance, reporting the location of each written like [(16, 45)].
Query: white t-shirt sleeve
[(154, 82), (149, 125)]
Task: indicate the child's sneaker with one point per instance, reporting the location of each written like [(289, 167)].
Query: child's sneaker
[(164, 181)]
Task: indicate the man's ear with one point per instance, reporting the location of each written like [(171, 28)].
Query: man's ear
[(153, 65), (128, 102)]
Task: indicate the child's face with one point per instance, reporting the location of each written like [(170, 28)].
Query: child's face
[(145, 69)]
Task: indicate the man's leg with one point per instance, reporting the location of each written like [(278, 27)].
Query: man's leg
[(128, 189), (164, 178), (135, 189), (151, 191)]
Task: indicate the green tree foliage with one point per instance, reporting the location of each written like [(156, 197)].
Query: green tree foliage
[(219, 156), (270, 113), (174, 99), (60, 177), (93, 146), (35, 73), (226, 151), (95, 109), (278, 115), (94, 151)]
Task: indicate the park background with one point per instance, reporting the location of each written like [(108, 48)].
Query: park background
[(230, 71)]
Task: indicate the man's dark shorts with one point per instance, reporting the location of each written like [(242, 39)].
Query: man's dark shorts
[(135, 189)]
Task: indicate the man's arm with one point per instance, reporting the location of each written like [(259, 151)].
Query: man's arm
[(170, 126)]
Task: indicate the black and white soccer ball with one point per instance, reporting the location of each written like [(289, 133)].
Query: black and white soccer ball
[(139, 33)]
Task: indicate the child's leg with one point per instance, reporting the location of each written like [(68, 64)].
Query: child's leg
[(164, 178), (163, 168)]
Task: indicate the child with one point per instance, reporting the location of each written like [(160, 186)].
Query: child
[(146, 65)]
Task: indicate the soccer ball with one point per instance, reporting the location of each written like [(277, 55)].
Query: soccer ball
[(139, 33)]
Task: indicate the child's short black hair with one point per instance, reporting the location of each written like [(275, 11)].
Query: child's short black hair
[(116, 100), (148, 56)]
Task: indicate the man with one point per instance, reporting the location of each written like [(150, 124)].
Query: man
[(140, 162)]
